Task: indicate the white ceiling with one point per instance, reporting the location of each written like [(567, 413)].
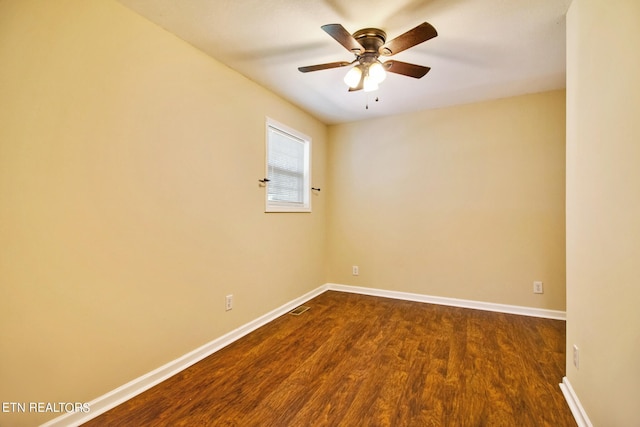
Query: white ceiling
[(485, 49)]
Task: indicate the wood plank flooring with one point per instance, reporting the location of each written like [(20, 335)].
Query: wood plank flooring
[(355, 360)]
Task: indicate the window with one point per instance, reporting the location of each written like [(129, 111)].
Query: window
[(288, 170)]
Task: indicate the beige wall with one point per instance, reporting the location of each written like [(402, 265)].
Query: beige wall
[(603, 208), (464, 202), (130, 205)]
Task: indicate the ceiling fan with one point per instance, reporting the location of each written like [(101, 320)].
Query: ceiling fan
[(368, 45)]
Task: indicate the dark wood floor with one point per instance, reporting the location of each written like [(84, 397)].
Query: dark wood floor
[(355, 360)]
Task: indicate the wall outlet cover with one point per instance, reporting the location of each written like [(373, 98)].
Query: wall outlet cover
[(538, 288)]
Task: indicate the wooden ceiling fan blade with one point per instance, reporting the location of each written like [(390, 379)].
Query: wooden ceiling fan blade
[(344, 37), (406, 69), (323, 66), (413, 37)]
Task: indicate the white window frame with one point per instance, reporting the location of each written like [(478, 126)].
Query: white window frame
[(284, 206)]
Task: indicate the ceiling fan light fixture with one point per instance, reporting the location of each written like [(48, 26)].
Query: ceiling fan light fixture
[(352, 78), (377, 72), (370, 84)]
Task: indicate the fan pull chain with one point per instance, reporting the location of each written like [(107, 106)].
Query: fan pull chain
[(367, 104)]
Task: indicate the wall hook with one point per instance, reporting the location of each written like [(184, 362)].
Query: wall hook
[(264, 180), (315, 189)]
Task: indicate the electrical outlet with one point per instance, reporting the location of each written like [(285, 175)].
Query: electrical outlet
[(537, 288), (228, 302), (355, 270), (576, 356)]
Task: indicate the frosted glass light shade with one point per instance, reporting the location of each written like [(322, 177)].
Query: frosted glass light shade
[(377, 72), (370, 84), (352, 78)]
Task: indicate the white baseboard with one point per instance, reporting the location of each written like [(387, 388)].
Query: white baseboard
[(574, 404), (127, 391), (477, 305)]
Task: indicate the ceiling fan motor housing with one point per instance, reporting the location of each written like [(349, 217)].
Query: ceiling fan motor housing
[(371, 40)]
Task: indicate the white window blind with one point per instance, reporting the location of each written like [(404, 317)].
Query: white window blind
[(287, 169)]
